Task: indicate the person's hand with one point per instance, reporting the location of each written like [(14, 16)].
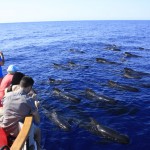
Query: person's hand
[(37, 103), (34, 96)]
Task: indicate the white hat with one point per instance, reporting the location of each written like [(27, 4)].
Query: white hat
[(12, 69)]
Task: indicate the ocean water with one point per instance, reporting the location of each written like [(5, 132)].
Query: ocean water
[(67, 52)]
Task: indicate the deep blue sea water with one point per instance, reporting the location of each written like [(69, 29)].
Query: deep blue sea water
[(35, 47)]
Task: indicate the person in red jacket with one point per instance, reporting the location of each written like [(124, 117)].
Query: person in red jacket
[(6, 81)]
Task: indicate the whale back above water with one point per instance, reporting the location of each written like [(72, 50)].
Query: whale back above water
[(127, 54), (121, 86), (105, 61)]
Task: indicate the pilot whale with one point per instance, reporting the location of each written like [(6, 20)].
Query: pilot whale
[(127, 54), (76, 51), (61, 66), (91, 94), (57, 119), (112, 47), (131, 76), (66, 96), (122, 87), (71, 64), (54, 81), (106, 132), (130, 73), (105, 61), (60, 122), (57, 81)]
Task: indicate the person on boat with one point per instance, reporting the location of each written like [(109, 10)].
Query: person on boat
[(15, 82), (16, 106), (6, 81), (14, 86), (2, 61)]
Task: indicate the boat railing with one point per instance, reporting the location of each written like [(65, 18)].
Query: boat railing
[(22, 137)]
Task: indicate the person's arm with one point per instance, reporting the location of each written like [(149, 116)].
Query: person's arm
[(36, 117), (3, 60), (33, 94), (6, 91)]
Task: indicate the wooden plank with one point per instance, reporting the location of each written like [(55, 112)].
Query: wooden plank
[(23, 134)]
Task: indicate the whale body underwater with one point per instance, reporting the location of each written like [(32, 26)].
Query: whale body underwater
[(106, 132), (92, 94), (66, 96), (57, 119)]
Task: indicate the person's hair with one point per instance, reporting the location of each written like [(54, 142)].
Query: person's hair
[(15, 80), (26, 81)]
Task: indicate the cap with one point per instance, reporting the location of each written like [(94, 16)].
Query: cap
[(12, 69)]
